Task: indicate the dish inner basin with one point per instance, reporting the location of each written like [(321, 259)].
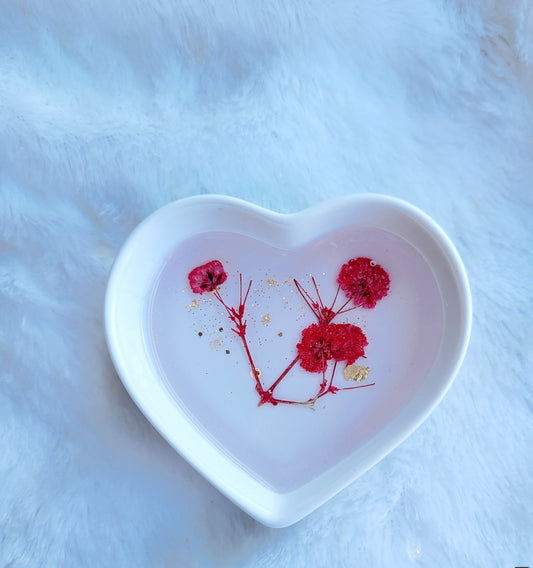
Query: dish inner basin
[(204, 367)]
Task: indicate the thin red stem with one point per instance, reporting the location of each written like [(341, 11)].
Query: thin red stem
[(240, 328), (357, 387), (307, 298), (318, 308), (340, 310), (243, 303), (332, 375), (259, 386), (336, 296), (310, 402), (320, 302), (282, 376), (321, 392), (230, 311)]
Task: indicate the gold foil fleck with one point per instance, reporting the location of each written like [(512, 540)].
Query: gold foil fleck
[(356, 373)]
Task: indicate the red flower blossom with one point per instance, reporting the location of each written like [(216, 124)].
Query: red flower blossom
[(364, 281), (323, 342), (208, 277)]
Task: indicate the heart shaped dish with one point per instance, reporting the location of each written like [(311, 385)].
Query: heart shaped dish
[(184, 349)]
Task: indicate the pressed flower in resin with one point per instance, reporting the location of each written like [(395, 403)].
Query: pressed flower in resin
[(322, 342), (363, 281), (208, 277)]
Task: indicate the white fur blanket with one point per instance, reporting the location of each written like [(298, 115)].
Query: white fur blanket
[(111, 109)]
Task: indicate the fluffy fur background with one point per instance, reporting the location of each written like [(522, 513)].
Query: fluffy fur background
[(111, 109)]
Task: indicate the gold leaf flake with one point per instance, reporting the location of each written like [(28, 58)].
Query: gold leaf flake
[(356, 373), (271, 281), (194, 304), (265, 318), (216, 343)]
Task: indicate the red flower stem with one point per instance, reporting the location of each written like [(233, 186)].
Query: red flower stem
[(322, 390), (351, 388), (335, 298), (230, 311), (243, 303), (340, 310), (311, 401), (236, 316), (320, 302), (318, 307), (332, 375), (306, 297), (282, 376), (275, 401), (308, 402), (258, 386)]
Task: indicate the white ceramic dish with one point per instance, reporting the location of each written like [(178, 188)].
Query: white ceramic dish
[(186, 369)]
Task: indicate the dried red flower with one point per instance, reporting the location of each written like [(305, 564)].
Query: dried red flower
[(208, 277), (323, 342), (348, 343), (364, 281)]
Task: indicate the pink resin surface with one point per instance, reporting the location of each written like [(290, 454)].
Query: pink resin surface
[(203, 364)]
